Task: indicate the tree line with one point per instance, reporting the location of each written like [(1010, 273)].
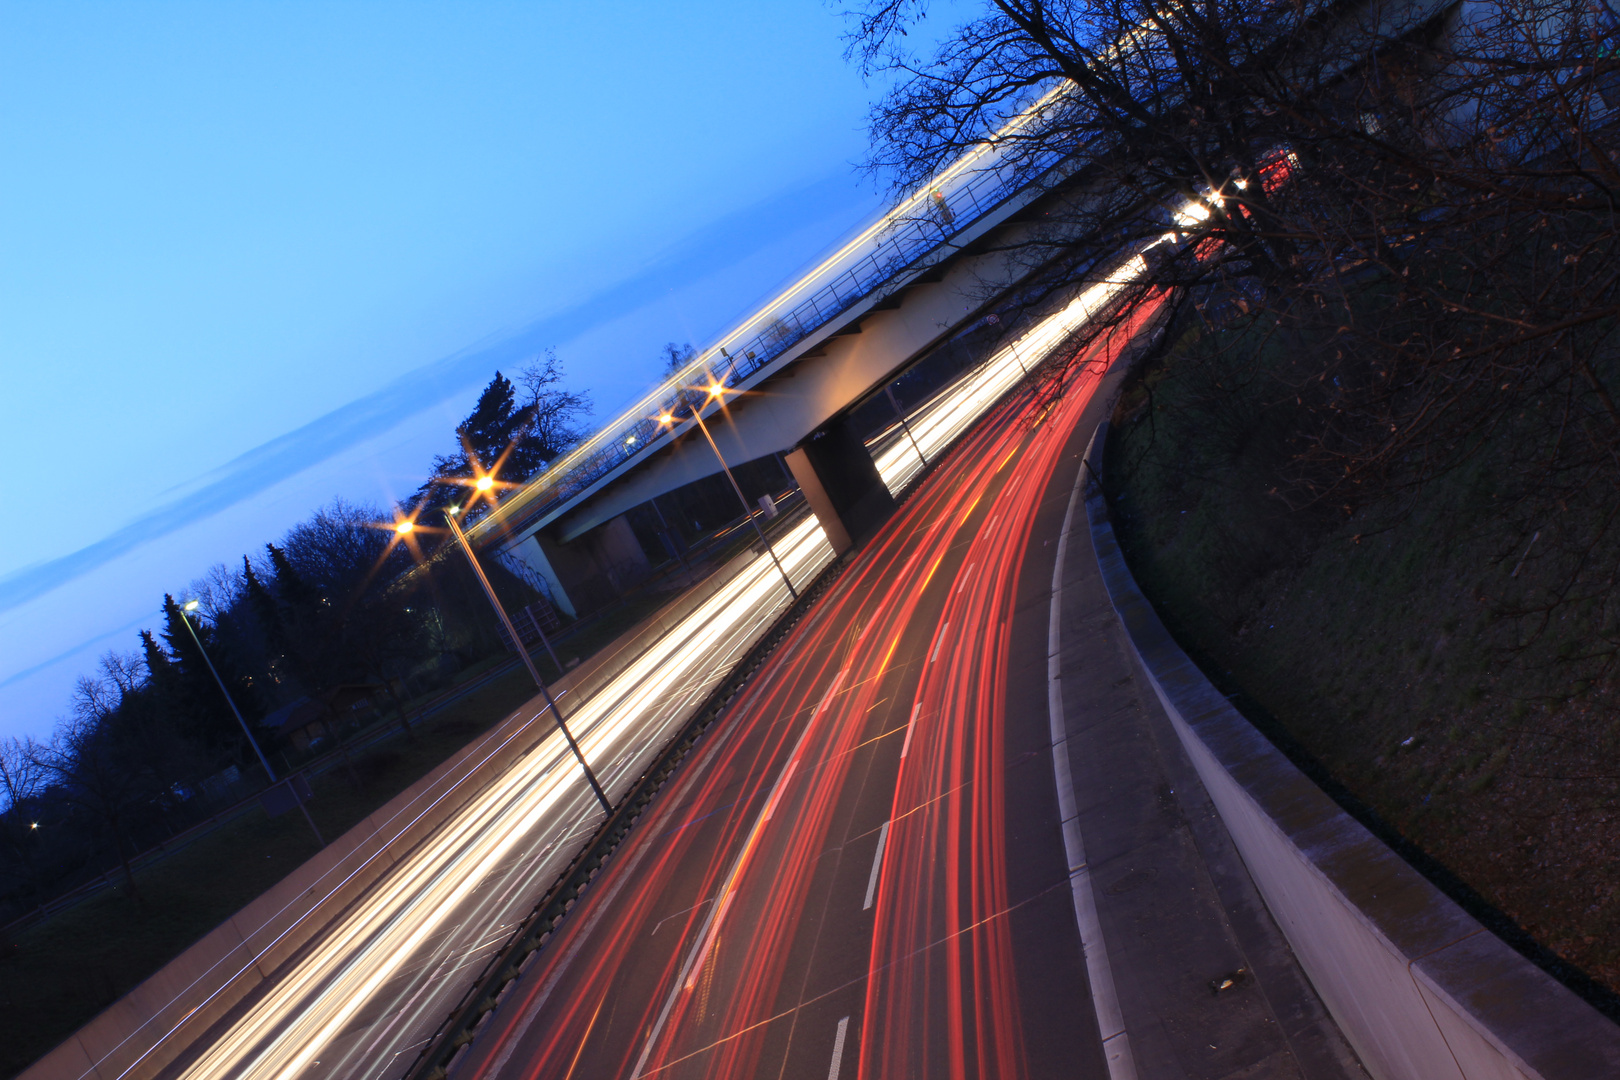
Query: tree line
[(1414, 205), (150, 744)]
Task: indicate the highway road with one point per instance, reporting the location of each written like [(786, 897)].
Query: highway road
[(860, 872), (361, 1000), (382, 978), (977, 184)]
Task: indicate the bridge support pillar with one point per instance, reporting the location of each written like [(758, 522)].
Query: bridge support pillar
[(528, 561), (841, 484)]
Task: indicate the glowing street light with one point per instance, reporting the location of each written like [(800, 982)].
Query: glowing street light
[(484, 484), (716, 390), (191, 606)]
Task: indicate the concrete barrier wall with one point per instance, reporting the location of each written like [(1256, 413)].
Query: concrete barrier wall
[(152, 1025), (1420, 988)]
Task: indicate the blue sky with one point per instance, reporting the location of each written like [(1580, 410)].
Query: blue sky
[(255, 256)]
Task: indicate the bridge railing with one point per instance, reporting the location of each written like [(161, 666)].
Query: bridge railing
[(925, 222)]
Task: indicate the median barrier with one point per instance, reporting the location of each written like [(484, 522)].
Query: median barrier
[(1420, 988), (149, 1028)]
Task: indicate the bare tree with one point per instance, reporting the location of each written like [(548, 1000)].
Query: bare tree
[(555, 416), (1421, 199), (21, 775), (92, 760), (21, 780), (1395, 252), (125, 671), (673, 357), (217, 591)]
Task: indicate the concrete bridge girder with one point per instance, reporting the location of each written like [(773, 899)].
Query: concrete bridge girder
[(778, 413), (791, 405), (831, 373)]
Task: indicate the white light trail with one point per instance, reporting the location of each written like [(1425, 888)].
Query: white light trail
[(715, 360), (939, 422), (536, 802), (288, 1028)]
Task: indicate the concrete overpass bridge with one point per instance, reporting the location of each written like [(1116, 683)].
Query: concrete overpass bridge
[(928, 271)]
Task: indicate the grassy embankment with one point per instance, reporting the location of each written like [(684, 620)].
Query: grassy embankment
[(57, 975), (1380, 651)]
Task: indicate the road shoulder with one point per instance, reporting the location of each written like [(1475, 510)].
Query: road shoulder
[(1206, 984)]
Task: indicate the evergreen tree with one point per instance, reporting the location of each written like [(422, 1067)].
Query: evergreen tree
[(303, 625), (278, 659), (484, 437), (494, 425), (161, 673), (291, 587), (263, 605), (515, 433), (201, 711)]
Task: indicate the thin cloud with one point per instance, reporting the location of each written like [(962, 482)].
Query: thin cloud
[(82, 647), (723, 242)]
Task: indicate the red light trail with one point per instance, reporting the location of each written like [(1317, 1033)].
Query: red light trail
[(865, 760)]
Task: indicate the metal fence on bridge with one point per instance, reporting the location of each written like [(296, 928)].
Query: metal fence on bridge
[(923, 224)]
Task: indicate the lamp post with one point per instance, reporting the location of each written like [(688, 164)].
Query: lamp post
[(191, 605), (484, 484), (888, 388), (715, 391)]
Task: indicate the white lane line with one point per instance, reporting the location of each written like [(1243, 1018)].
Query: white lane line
[(938, 641), (910, 726), (687, 977), (965, 575), (1104, 998), (877, 865), (776, 796), (832, 692), (838, 1049)]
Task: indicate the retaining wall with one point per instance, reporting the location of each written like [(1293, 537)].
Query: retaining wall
[(1419, 987)]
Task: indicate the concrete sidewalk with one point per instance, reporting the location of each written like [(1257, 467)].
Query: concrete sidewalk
[(1203, 982)]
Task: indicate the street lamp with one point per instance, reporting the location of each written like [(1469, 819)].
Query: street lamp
[(716, 389), (484, 484), (190, 606), (888, 388)]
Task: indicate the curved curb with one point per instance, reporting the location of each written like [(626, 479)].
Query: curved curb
[(1420, 988), (1116, 1040)]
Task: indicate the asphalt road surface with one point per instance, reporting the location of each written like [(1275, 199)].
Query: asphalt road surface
[(862, 872), (360, 1000)]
